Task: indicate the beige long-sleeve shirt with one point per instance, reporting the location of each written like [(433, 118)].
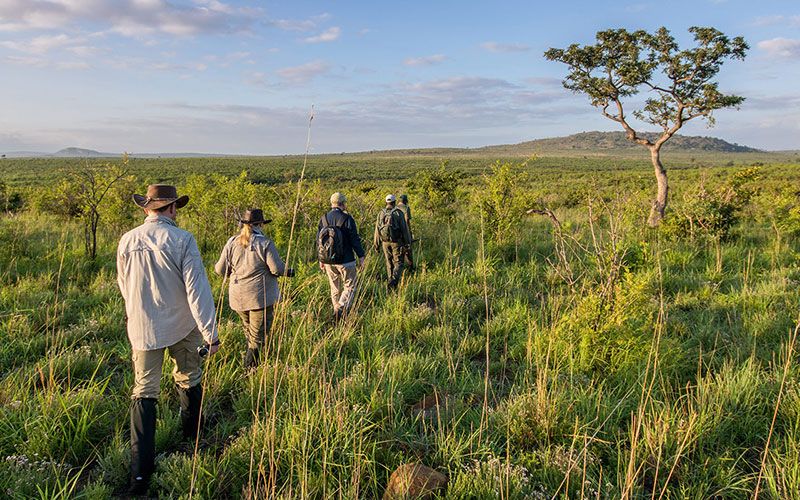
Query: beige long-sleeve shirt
[(163, 281), (253, 270)]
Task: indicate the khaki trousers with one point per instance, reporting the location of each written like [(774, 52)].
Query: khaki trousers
[(257, 325), (186, 372), (342, 278)]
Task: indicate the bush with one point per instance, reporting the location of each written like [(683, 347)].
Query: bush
[(438, 190), (501, 200), (713, 213), (10, 201)]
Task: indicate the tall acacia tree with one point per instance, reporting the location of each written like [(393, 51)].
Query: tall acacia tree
[(680, 83)]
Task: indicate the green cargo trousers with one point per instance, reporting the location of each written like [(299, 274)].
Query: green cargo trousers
[(257, 325), (393, 254)]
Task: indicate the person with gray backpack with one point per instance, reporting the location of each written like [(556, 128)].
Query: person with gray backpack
[(392, 234), (337, 241)]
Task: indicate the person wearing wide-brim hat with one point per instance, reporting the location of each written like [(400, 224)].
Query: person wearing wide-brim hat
[(253, 264), (169, 307)]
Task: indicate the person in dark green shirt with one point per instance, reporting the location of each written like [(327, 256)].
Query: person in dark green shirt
[(391, 235), (408, 257)]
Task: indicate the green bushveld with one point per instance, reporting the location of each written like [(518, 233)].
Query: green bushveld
[(570, 353)]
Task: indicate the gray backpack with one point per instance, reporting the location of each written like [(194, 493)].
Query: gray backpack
[(389, 225)]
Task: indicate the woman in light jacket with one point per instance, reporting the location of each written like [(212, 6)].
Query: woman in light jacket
[(253, 264)]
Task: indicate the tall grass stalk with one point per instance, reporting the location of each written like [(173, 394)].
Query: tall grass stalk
[(786, 366)]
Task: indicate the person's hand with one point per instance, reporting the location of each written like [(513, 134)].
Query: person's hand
[(321, 266), (207, 349)]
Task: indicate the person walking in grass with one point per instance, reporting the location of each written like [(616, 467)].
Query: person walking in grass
[(392, 234), (338, 245), (408, 257), (169, 307), (253, 264)]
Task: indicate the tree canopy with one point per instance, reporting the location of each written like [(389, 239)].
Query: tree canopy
[(681, 83), (624, 63)]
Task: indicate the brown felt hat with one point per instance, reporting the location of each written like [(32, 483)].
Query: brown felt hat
[(159, 196), (254, 216)]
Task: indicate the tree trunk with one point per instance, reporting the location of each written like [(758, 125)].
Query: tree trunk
[(660, 203)]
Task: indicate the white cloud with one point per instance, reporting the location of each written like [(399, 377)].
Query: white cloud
[(128, 17), (777, 20), (174, 67), (505, 47), (41, 62), (36, 62), (440, 112), (256, 79), (85, 51), (304, 72), (544, 81), (42, 44), (72, 65), (425, 61), (776, 102), (781, 48), (300, 25), (329, 35)]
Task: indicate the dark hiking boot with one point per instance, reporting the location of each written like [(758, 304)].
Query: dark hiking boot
[(251, 358), (143, 444), (392, 285), (191, 399)]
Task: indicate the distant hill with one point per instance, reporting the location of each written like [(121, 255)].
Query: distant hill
[(584, 143), (616, 141), (597, 143), (80, 153)]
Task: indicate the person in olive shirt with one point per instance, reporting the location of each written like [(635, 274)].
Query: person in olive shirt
[(392, 234), (169, 307), (253, 264), (405, 251)]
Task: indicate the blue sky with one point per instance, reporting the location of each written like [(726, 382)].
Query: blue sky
[(225, 76)]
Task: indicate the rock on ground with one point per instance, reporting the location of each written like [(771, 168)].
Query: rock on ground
[(412, 481)]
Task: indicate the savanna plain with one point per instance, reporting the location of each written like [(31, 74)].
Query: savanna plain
[(550, 344)]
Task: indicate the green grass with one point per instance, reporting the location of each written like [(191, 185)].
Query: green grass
[(658, 378)]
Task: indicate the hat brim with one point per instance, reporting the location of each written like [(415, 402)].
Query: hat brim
[(262, 221), (144, 202)]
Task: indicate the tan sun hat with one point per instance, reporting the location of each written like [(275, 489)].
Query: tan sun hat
[(160, 195)]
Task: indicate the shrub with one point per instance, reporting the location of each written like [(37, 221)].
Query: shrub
[(501, 200), (712, 213), (438, 190)]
